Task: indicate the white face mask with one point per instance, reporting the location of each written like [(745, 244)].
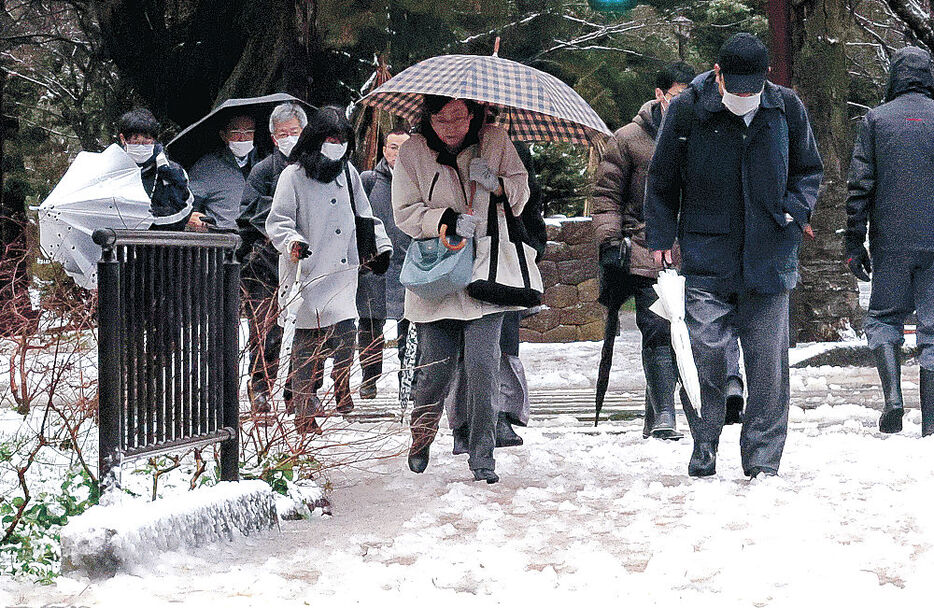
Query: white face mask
[(741, 105), (286, 144), (333, 151), (240, 148), (140, 153)]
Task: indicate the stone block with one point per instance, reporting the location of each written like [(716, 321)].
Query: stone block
[(582, 314), (578, 231), (555, 251), (562, 333), (589, 290), (575, 272), (549, 272), (543, 321), (591, 331), (529, 335), (560, 296), (553, 230)]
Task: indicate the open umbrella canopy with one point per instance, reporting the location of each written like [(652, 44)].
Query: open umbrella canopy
[(99, 190), (534, 106), (201, 137), (670, 305)]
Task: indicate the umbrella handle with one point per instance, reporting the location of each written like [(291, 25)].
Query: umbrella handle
[(442, 234)]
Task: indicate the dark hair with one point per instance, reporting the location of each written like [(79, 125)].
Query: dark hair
[(397, 131), (327, 122), (138, 121), (432, 104), (676, 73)]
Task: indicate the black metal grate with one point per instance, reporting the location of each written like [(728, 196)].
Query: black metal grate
[(168, 312)]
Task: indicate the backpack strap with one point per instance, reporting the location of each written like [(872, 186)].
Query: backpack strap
[(353, 205)]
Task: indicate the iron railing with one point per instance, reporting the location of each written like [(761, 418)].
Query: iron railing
[(168, 309)]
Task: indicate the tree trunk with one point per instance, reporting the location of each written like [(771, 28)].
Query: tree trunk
[(826, 298)]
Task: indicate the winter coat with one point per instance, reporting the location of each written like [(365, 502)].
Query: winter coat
[(423, 189), (319, 214), (619, 190), (258, 256), (723, 189), (533, 213), (383, 296), (891, 174), (166, 185), (217, 182)]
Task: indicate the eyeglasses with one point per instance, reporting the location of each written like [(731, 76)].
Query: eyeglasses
[(450, 121), (241, 134), (290, 133)]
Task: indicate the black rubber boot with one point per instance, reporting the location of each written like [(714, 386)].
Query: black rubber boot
[(660, 379), (703, 459), (649, 417), (506, 436), (418, 460), (734, 401), (889, 365), (927, 402)]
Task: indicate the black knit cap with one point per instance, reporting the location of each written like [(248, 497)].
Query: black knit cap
[(744, 63)]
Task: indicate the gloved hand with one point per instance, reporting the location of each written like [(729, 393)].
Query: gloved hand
[(466, 225), (379, 264), (481, 173), (299, 251), (857, 258)]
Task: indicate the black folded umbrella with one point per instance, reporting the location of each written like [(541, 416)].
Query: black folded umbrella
[(201, 137)]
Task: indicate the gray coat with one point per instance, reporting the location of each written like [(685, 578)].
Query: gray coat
[(217, 182), (306, 210), (892, 171), (383, 297)]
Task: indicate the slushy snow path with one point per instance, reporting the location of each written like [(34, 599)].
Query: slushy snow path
[(584, 515)]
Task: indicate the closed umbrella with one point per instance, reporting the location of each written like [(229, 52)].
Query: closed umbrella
[(293, 304), (670, 305), (99, 190), (533, 105)]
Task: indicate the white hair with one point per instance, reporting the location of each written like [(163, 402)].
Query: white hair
[(287, 111)]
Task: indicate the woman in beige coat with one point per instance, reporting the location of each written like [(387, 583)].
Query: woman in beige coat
[(450, 156)]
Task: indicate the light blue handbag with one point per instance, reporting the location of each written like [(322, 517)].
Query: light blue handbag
[(432, 271)]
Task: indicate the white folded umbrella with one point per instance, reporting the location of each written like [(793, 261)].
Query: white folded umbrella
[(670, 305), (99, 190)]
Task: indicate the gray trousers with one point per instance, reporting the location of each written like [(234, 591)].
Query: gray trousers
[(902, 282), (760, 322), (441, 346)]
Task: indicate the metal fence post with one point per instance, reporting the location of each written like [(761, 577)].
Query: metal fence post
[(108, 354), (230, 449)]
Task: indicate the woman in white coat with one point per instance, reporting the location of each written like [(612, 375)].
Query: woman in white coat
[(311, 222), (451, 155)]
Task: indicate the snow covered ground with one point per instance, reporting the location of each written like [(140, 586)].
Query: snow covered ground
[(587, 514)]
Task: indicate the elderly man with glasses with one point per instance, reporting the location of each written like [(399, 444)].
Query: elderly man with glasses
[(218, 177)]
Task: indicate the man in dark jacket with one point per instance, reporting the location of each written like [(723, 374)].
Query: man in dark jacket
[(260, 273), (734, 179), (218, 177), (165, 182), (381, 297), (890, 184)]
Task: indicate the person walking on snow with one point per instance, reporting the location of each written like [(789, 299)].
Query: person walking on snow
[(890, 182), (734, 179)]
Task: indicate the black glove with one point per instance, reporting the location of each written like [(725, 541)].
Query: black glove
[(614, 253), (300, 250), (379, 264), (857, 258)]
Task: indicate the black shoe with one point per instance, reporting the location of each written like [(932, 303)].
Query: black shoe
[(703, 459), (890, 374), (754, 472), (418, 461), (506, 436), (487, 475), (734, 401), (461, 439), (927, 402), (368, 391), (664, 426)]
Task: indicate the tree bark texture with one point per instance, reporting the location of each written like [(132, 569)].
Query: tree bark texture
[(826, 300)]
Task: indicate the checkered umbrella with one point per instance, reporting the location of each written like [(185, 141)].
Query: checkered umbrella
[(534, 106)]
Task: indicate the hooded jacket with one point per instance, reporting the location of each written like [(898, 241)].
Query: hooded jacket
[(891, 174), (619, 190), (726, 190)]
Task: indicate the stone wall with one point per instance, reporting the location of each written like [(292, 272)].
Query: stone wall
[(569, 272)]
